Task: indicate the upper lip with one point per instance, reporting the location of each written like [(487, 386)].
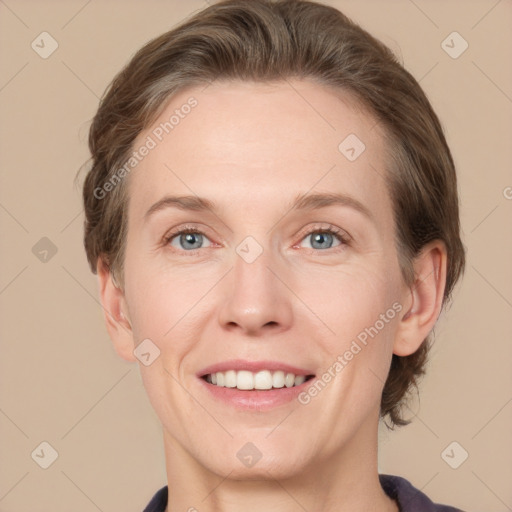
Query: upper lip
[(252, 366)]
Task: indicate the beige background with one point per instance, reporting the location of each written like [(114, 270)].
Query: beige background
[(62, 382)]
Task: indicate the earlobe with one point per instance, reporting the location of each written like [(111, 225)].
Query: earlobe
[(115, 312), (424, 299)]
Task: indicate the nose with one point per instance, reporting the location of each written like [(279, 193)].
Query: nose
[(256, 299)]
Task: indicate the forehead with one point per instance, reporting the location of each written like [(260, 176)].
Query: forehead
[(229, 140)]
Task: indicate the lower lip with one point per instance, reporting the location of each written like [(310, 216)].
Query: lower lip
[(256, 399)]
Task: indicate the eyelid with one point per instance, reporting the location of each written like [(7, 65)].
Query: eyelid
[(326, 227), (173, 232), (341, 234)]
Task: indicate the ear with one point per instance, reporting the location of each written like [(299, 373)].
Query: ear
[(423, 300), (115, 312)]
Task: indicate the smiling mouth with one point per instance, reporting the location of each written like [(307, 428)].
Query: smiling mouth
[(263, 380)]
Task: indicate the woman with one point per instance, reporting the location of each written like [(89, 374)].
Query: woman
[(272, 212)]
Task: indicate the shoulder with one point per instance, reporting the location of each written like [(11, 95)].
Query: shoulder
[(409, 498), (158, 502)]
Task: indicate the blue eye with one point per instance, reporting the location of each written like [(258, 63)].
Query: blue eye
[(191, 239), (187, 239), (324, 239)]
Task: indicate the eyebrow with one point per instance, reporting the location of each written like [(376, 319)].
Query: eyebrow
[(301, 203)]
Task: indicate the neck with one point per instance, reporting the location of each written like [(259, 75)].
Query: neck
[(347, 480)]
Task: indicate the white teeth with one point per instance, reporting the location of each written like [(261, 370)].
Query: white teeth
[(244, 380), (299, 380), (278, 379), (230, 379), (263, 380), (247, 380)]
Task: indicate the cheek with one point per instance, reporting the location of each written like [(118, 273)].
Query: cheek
[(351, 300), (361, 311), (167, 305), (170, 309)]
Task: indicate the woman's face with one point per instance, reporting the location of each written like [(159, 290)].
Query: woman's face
[(259, 278)]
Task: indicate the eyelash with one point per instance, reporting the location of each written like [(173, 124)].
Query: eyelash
[(341, 235), (338, 233)]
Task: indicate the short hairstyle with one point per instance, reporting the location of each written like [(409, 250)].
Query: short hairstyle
[(273, 40)]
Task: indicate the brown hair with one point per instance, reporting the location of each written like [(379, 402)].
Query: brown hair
[(267, 40)]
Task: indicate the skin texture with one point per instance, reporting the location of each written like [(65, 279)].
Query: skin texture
[(252, 148)]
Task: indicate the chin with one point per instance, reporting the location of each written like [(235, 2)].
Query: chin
[(258, 460)]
